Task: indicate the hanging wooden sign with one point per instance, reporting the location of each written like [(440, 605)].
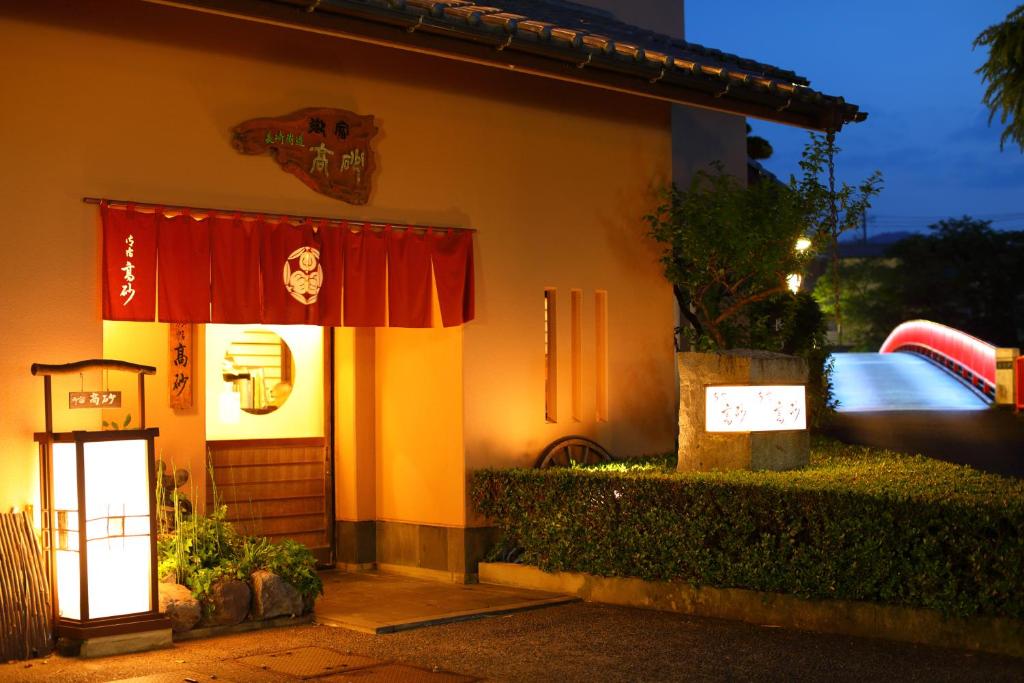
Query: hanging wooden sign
[(327, 149), (181, 366), (94, 399)]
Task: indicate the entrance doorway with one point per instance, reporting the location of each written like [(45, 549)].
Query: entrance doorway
[(268, 425)]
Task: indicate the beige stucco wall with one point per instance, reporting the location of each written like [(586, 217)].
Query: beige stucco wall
[(131, 100)]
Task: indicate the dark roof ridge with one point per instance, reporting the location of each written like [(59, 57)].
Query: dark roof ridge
[(565, 40)]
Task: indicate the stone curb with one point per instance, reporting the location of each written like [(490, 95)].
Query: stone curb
[(243, 627), (844, 617)]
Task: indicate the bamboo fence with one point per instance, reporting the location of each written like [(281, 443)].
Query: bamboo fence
[(26, 628)]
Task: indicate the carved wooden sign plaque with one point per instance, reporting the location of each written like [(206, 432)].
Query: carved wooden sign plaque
[(327, 149)]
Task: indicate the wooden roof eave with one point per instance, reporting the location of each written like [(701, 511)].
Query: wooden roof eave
[(595, 68)]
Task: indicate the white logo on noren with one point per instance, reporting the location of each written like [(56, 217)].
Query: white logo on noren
[(303, 275)]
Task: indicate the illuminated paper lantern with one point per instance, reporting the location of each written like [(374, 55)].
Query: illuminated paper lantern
[(99, 526)]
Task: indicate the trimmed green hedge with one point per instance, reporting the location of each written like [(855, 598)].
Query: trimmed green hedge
[(857, 525)]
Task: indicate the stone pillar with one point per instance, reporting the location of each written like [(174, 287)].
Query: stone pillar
[(1006, 391), (700, 450)]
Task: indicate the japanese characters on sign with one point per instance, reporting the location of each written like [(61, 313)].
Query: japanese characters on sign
[(180, 368), (127, 291), (755, 408), (94, 399), (327, 149)]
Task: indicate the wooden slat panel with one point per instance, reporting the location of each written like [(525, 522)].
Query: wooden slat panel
[(237, 474), (263, 490), (285, 525), (261, 456), (310, 540), (272, 488), (276, 508)]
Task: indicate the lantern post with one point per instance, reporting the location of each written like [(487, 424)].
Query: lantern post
[(99, 524)]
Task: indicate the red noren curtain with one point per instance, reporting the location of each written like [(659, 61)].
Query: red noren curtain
[(451, 252), (365, 278), (129, 264), (408, 279), (228, 269), (183, 260), (235, 271)]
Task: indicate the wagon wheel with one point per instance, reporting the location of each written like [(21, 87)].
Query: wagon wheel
[(571, 450)]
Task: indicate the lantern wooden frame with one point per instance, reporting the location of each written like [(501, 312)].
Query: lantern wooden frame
[(85, 628)]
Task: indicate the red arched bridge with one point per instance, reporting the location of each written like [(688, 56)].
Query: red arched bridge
[(928, 391), (967, 357)]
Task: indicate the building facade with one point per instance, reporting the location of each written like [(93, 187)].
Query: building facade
[(573, 327)]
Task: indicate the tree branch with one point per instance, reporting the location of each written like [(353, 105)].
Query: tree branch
[(736, 307)]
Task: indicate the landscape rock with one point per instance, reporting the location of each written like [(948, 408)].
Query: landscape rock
[(308, 603), (178, 605), (272, 596), (228, 603)]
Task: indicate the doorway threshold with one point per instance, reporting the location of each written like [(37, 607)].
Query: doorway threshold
[(370, 602)]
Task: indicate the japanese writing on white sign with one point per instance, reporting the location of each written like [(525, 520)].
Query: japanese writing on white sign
[(755, 408), (94, 399)]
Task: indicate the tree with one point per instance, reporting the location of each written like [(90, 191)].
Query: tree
[(835, 210), (1004, 73), (728, 247), (963, 274), (758, 148)]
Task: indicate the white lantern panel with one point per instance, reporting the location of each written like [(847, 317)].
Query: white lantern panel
[(118, 527), (119, 576), (755, 408), (64, 530)]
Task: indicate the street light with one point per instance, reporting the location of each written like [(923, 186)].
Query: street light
[(794, 280), (98, 523)]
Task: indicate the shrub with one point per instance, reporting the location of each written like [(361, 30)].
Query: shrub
[(857, 525), (204, 549)]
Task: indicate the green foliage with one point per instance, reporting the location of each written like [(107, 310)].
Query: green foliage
[(114, 426), (727, 246), (1004, 73), (963, 274), (857, 524), (758, 148), (203, 549), (289, 559)]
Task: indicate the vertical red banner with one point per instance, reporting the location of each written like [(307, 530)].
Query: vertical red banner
[(332, 256), (365, 279), (290, 271), (409, 283), (183, 254), (235, 270), (451, 253), (129, 264)]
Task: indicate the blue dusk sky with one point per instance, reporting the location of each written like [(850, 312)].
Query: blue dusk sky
[(910, 65)]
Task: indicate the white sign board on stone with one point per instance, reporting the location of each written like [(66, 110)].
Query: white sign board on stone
[(755, 408)]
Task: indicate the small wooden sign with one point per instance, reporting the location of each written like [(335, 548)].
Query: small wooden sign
[(94, 399), (327, 149), (181, 366)]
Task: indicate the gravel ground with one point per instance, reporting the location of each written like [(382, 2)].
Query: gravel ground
[(577, 642)]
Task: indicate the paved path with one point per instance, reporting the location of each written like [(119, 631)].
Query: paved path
[(576, 642), (906, 403)]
